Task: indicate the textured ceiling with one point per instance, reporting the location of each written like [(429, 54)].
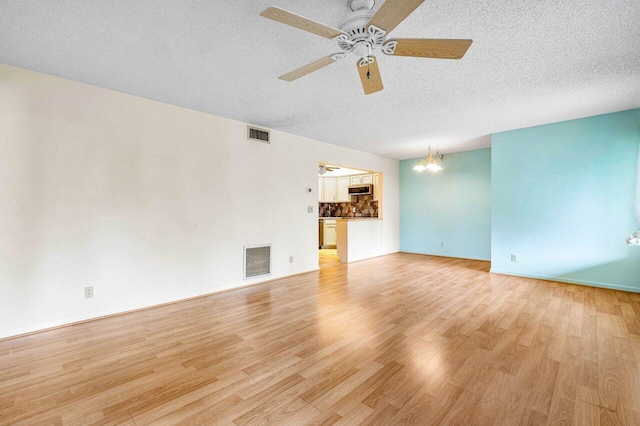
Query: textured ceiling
[(532, 62)]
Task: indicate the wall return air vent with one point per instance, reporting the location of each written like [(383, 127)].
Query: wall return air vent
[(257, 261), (255, 134)]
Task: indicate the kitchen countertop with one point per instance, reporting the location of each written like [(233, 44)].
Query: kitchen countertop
[(350, 218)]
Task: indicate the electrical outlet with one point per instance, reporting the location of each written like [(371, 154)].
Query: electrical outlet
[(88, 292), (514, 257), (309, 209), (290, 259)]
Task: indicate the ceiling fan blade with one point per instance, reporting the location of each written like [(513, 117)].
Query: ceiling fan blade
[(307, 69), (432, 48), (393, 12), (300, 22), (370, 76)]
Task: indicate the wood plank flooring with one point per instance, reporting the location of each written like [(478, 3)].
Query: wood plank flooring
[(328, 258), (400, 339)]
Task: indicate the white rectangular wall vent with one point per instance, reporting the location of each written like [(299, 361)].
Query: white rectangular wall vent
[(255, 134), (257, 261)]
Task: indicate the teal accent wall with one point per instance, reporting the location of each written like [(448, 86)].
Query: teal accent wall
[(563, 201), (452, 206)]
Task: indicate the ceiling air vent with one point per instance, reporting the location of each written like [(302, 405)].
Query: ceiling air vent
[(257, 261), (255, 134)]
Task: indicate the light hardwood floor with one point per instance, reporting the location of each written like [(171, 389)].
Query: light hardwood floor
[(328, 258), (400, 339)]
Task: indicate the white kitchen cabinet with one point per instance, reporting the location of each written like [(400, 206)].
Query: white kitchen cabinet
[(359, 179), (329, 189), (320, 189), (342, 185), (330, 233)]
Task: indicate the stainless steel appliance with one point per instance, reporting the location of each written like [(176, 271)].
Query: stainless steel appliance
[(361, 189)]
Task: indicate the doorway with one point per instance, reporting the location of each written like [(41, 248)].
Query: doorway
[(336, 200)]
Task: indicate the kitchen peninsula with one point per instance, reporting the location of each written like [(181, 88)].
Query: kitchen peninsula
[(358, 238)]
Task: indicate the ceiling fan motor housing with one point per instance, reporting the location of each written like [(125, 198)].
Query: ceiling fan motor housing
[(359, 40), (355, 24)]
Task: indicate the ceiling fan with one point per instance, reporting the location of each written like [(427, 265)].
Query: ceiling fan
[(324, 169), (362, 32)]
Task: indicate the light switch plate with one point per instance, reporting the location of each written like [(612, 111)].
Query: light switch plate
[(309, 209)]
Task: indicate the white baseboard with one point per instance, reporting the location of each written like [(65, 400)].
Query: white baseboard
[(444, 255), (568, 280)]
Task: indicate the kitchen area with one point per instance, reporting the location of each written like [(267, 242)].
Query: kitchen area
[(349, 201)]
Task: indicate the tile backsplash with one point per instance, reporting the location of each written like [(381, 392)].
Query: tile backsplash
[(364, 207)]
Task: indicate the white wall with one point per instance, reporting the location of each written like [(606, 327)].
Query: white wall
[(145, 201)]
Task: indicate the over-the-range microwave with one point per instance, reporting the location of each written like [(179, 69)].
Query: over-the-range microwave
[(361, 189)]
